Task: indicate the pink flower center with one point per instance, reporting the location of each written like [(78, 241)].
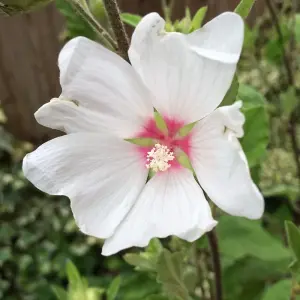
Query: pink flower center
[(171, 141)]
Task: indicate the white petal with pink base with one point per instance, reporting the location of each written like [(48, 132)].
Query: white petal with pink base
[(105, 102)]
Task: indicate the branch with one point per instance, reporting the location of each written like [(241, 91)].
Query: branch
[(213, 242), (117, 25)]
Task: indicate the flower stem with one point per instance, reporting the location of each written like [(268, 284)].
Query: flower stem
[(117, 25), (213, 242), (82, 10)]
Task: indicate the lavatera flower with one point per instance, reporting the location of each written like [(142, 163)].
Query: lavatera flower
[(106, 104)]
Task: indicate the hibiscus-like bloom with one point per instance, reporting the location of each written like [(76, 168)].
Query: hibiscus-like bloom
[(106, 103)]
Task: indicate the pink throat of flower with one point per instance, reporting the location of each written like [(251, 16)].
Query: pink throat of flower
[(171, 140)]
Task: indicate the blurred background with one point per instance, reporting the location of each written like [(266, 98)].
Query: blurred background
[(38, 234)]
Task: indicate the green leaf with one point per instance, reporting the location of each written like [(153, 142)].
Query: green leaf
[(293, 235), (232, 93), (289, 101), (160, 123), (154, 246), (170, 274), (12, 7), (114, 288), (244, 8), (59, 292), (130, 19), (142, 262), (279, 291), (73, 274), (239, 238), (143, 142), (75, 24), (256, 127), (199, 17)]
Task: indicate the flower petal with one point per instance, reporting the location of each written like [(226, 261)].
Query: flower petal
[(188, 77), (102, 81), (172, 203), (66, 116), (222, 169), (101, 175), (220, 39)]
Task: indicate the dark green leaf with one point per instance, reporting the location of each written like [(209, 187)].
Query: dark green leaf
[(130, 19)]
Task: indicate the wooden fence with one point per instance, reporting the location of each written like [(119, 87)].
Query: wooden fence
[(29, 47)]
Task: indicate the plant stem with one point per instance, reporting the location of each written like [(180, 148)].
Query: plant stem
[(117, 25), (213, 242), (103, 35)]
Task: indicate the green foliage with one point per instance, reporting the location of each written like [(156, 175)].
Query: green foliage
[(75, 24), (113, 288), (278, 291), (244, 8), (130, 19), (256, 127), (12, 7), (198, 18), (170, 274), (232, 93)]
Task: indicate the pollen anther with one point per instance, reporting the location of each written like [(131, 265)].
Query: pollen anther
[(159, 158)]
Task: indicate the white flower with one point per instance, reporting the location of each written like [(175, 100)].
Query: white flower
[(185, 78)]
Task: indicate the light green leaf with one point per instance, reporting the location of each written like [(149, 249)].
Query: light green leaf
[(142, 262), (59, 292), (170, 274), (186, 129), (289, 101), (184, 160), (143, 142), (293, 235), (279, 291), (199, 17), (244, 8), (232, 93), (160, 123), (113, 288), (256, 127), (73, 274), (130, 19), (154, 246)]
